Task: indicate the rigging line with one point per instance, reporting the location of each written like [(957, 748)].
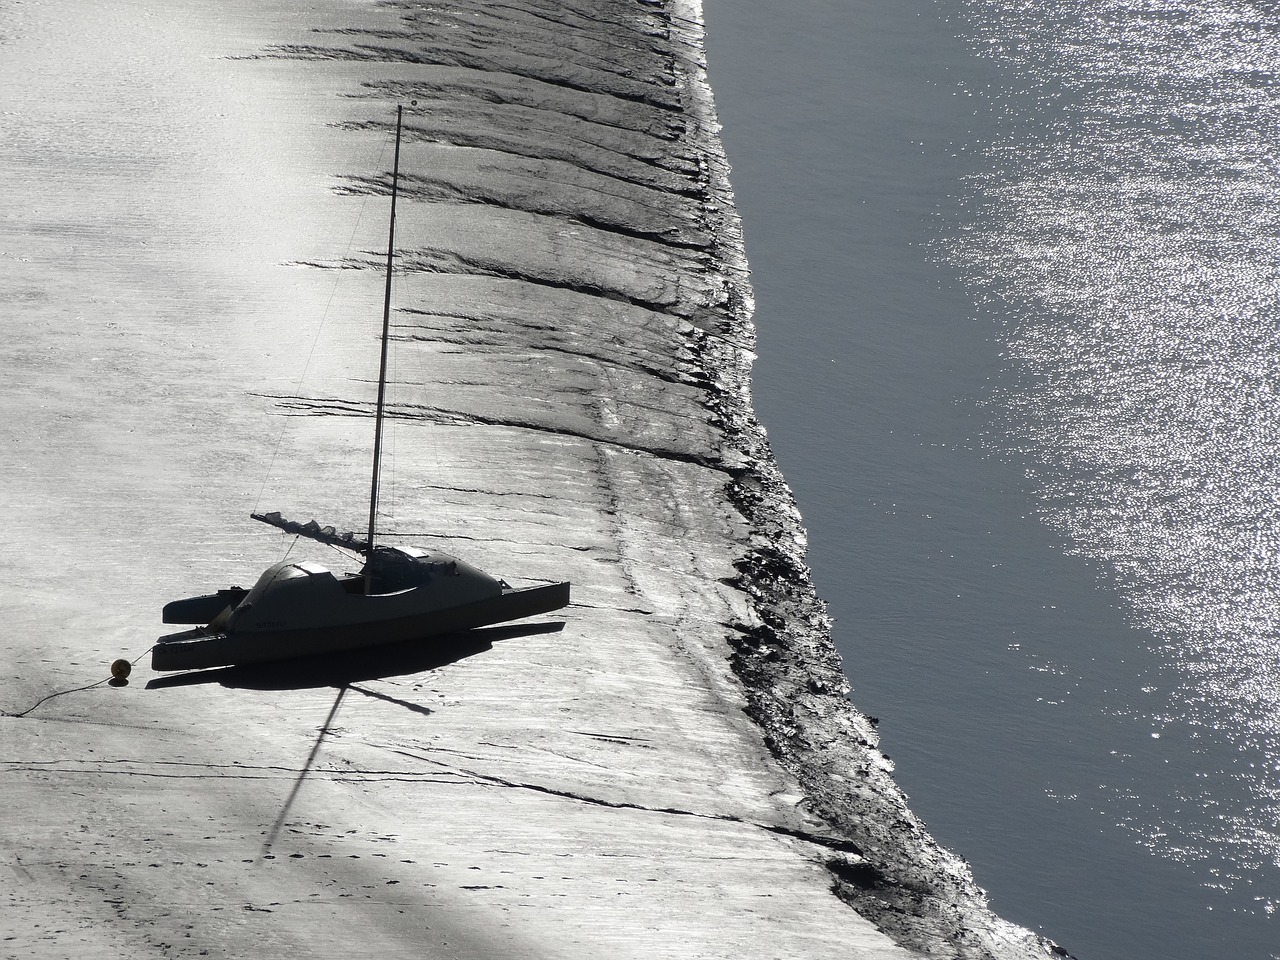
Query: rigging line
[(382, 366), (393, 436), (324, 317), (345, 552)]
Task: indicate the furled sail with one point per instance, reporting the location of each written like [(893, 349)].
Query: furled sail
[(314, 531)]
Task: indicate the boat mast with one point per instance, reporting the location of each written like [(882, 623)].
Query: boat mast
[(382, 368)]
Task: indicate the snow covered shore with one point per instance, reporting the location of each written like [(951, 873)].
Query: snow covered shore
[(197, 206)]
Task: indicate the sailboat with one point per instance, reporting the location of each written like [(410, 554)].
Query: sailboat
[(299, 608)]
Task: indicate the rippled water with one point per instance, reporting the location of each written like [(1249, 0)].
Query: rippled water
[(1127, 239), (1015, 266)]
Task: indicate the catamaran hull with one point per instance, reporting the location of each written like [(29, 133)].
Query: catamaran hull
[(196, 649)]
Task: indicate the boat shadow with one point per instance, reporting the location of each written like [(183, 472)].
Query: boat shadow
[(351, 666)]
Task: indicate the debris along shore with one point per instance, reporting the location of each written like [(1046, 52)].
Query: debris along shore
[(898, 876), (571, 393)]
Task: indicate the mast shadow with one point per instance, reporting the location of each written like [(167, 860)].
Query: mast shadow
[(274, 832), (351, 666)]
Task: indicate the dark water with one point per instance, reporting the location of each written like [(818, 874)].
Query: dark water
[(1015, 276)]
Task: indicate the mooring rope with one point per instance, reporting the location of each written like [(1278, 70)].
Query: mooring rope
[(87, 686)]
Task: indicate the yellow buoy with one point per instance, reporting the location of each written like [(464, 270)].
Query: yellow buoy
[(120, 669)]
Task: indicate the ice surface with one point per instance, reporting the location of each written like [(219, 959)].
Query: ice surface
[(194, 225)]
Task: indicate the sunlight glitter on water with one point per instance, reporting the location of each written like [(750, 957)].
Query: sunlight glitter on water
[(1126, 238)]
